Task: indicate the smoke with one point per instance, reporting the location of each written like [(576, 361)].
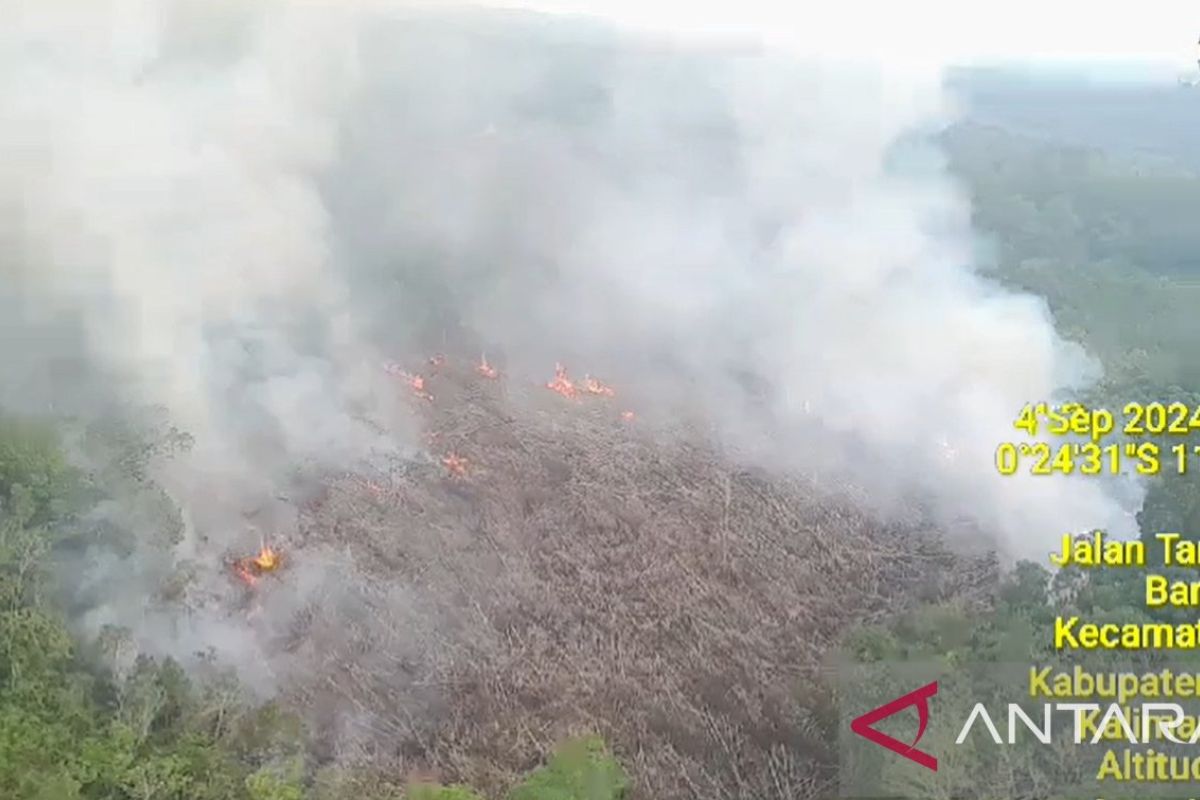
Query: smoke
[(745, 232), (236, 211), (161, 211)]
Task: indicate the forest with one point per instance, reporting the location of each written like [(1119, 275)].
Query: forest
[(1107, 238)]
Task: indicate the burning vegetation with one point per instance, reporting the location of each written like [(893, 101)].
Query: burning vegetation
[(593, 386), (414, 381), (251, 568), (628, 580), (456, 465), (598, 577), (486, 370), (562, 384)]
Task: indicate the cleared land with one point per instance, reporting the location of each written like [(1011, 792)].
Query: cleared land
[(575, 571)]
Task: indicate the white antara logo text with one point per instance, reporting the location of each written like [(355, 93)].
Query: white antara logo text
[(1153, 719)]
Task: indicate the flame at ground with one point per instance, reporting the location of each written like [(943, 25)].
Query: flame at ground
[(266, 560), (457, 465), (485, 369), (562, 384), (593, 386), (251, 568), (415, 381)]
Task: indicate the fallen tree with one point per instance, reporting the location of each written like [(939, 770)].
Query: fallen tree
[(577, 572)]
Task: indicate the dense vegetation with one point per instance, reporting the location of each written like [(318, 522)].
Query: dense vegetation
[(1110, 243), (1124, 109), (70, 728)]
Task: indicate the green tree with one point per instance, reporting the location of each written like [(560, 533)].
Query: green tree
[(581, 769)]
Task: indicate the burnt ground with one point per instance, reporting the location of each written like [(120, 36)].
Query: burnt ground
[(589, 573)]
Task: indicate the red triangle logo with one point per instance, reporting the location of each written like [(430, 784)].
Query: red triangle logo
[(920, 699)]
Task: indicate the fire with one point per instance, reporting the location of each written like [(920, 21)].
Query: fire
[(243, 572), (266, 560), (593, 386), (485, 369), (628, 416), (562, 384), (416, 382), (456, 464), (251, 568)]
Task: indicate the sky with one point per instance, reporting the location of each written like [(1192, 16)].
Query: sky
[(924, 31)]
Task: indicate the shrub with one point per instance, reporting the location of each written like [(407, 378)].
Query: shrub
[(581, 769)]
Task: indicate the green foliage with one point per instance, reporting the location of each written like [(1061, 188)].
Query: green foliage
[(128, 444), (1078, 203), (1107, 246), (67, 731), (277, 782), (34, 474), (32, 644), (432, 791), (1015, 632), (581, 769), (870, 644), (335, 783), (71, 730), (38, 492), (1112, 246)]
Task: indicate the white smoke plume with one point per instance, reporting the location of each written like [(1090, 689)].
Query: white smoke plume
[(243, 207)]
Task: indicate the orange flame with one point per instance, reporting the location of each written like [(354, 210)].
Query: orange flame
[(417, 383), (593, 386), (456, 464), (562, 384), (251, 568), (266, 560), (485, 369), (628, 416)]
